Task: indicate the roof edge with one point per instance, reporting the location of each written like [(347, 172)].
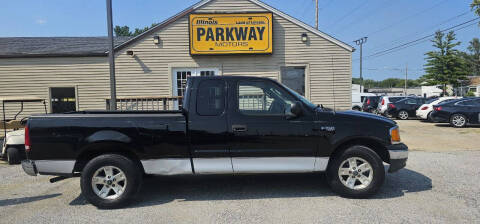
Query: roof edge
[(162, 24), (304, 25), (257, 2), (52, 55)]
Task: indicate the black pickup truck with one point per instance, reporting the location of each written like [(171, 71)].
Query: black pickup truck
[(226, 125)]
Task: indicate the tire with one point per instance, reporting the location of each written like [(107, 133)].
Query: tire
[(339, 183), (402, 115), (429, 117), (127, 188), (13, 155), (357, 109), (458, 121)]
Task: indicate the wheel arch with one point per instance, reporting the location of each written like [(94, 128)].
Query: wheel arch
[(374, 144), (105, 147)]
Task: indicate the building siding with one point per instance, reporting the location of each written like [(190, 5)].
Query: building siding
[(34, 76), (148, 73), (329, 65)]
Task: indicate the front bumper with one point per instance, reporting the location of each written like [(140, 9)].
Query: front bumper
[(398, 157), (29, 167)]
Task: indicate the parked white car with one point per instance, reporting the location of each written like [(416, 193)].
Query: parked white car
[(384, 101), (357, 100), (424, 111)]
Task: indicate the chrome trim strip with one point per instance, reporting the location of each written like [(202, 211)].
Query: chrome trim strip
[(398, 154), (55, 166), (273, 164), (167, 166), (213, 165)]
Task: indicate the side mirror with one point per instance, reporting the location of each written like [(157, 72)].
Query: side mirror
[(296, 109)]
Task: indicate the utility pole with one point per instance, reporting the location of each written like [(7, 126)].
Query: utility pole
[(111, 58), (360, 42), (406, 78), (316, 14)]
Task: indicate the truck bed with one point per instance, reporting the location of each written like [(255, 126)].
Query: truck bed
[(65, 136)]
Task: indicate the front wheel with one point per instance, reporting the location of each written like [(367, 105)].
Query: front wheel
[(403, 115), (357, 172), (458, 121), (110, 181)]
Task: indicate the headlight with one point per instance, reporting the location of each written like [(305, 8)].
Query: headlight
[(395, 135)]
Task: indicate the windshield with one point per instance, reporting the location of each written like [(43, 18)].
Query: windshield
[(300, 97), (431, 100)]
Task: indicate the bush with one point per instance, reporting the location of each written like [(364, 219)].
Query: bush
[(470, 94)]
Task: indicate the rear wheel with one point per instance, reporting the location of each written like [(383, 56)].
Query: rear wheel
[(403, 115), (357, 172), (458, 120), (429, 117), (13, 155), (110, 181)]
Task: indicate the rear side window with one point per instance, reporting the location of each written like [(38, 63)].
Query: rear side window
[(466, 103), (395, 99), (211, 98)]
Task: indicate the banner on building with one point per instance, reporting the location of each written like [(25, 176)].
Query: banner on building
[(219, 34)]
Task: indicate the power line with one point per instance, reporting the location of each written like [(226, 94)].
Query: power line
[(349, 13), (424, 30), (368, 14), (417, 41), (407, 18)]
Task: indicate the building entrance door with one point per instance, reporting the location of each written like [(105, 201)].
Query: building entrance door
[(180, 76)]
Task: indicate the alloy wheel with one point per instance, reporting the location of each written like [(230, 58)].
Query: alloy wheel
[(458, 121), (109, 182), (355, 173), (403, 115)]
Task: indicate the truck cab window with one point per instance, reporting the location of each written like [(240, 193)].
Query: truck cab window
[(211, 95), (263, 98)]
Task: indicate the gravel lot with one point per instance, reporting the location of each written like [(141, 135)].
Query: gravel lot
[(435, 187), (440, 184), (424, 136)]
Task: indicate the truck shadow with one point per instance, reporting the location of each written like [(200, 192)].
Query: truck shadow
[(17, 201), (160, 190)]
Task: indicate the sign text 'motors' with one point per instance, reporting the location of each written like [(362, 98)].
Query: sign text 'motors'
[(231, 33)]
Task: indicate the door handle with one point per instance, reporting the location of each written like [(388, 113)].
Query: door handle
[(239, 128)]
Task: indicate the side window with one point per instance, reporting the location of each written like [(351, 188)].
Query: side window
[(211, 98), (466, 103), (411, 101), (263, 98)]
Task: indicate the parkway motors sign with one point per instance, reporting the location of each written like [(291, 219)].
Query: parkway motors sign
[(217, 34)]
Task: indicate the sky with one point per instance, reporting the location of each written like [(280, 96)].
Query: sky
[(386, 23)]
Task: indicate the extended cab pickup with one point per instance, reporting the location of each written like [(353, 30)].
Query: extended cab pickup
[(226, 125)]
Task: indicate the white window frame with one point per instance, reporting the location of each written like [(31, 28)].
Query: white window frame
[(194, 71)]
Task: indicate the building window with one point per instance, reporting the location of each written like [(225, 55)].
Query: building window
[(263, 98), (294, 78), (63, 99)]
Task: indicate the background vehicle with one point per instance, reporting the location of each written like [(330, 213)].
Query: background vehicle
[(228, 125), (425, 110), (13, 147), (357, 100), (459, 113), (406, 108), (370, 104), (384, 101)]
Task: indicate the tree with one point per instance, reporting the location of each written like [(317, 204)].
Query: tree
[(124, 31), (475, 6), (445, 66), (474, 56)]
